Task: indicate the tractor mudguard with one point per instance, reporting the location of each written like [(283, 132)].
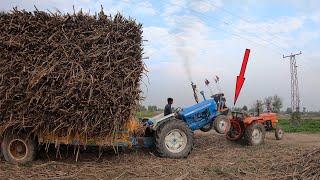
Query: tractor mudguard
[(157, 120), (249, 120)]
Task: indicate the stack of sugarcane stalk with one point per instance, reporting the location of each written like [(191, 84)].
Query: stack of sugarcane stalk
[(68, 73)]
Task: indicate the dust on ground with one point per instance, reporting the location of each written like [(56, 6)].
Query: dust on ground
[(213, 157)]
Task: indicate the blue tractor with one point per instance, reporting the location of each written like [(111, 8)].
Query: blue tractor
[(173, 134)]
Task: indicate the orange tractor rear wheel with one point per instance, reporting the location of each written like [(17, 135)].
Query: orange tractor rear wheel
[(255, 134)]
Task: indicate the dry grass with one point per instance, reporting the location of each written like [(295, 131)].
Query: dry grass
[(212, 158)]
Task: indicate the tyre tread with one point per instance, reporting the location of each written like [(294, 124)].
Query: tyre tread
[(248, 133), (29, 142), (161, 151), (277, 135)]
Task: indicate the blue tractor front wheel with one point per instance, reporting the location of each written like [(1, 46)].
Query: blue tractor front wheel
[(222, 124)]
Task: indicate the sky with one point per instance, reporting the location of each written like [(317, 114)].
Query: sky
[(194, 40)]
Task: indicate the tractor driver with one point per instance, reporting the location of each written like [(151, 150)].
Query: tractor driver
[(168, 108)]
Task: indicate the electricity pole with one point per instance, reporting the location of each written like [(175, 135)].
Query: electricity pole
[(295, 98)]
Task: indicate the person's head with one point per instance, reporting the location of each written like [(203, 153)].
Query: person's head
[(170, 100)]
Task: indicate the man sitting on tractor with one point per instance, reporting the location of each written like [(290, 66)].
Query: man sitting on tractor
[(168, 108)]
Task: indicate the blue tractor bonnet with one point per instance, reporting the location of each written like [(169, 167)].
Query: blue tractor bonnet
[(199, 114), (210, 104)]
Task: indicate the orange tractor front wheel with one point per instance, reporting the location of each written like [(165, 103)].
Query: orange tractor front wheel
[(236, 130)]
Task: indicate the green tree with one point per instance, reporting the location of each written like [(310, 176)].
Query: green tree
[(268, 102), (236, 109), (245, 108), (141, 108), (276, 103), (257, 106), (289, 110), (304, 110), (152, 108)]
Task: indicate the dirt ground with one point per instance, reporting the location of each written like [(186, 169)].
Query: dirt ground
[(213, 157)]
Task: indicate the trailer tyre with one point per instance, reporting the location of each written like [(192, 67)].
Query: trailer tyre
[(255, 134), (18, 149), (174, 139)]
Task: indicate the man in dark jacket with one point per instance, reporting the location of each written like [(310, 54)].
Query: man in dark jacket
[(168, 108)]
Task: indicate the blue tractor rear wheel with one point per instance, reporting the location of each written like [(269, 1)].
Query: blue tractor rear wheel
[(174, 139)]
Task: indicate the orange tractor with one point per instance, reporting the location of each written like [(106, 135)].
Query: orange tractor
[(253, 128)]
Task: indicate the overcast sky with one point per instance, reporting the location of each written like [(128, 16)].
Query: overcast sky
[(191, 40)]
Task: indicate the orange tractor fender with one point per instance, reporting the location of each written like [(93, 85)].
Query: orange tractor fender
[(249, 120), (262, 118)]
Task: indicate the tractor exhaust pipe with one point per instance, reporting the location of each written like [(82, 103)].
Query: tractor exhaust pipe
[(194, 88)]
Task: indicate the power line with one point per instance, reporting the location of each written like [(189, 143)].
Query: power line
[(209, 18), (255, 36), (242, 18), (249, 22)]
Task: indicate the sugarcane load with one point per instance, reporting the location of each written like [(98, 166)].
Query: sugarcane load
[(68, 73)]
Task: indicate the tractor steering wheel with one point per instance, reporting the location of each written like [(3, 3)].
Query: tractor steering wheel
[(237, 114), (178, 109)]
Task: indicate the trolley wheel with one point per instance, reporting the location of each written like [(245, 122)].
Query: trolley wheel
[(18, 149)]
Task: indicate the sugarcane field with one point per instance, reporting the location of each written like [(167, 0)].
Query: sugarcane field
[(145, 89)]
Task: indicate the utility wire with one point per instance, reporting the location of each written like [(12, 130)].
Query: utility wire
[(238, 35), (209, 19), (250, 22)]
